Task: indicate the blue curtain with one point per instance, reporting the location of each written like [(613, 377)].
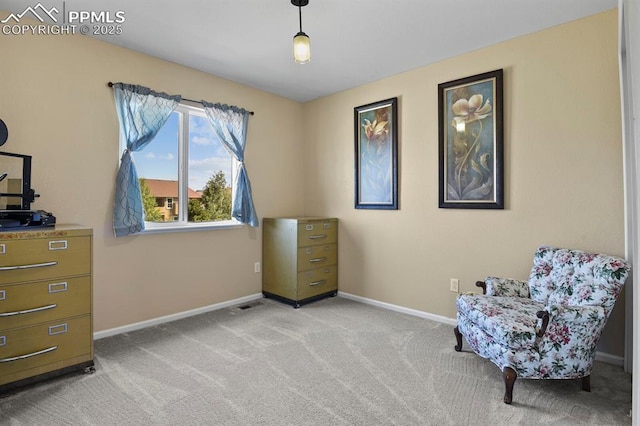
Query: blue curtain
[(141, 113), (230, 124)]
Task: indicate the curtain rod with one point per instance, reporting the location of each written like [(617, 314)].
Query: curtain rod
[(110, 84)]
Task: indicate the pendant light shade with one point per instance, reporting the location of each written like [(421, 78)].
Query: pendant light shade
[(301, 48), (301, 41)]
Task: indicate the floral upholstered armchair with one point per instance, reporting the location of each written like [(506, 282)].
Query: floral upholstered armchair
[(549, 326)]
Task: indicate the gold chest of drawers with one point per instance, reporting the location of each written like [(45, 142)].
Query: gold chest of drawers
[(45, 304), (299, 258)]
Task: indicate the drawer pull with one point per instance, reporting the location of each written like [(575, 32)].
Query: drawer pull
[(58, 245), (3, 295), (18, 358), (317, 237), (317, 259), (33, 265), (27, 311), (315, 283), (3, 340), (58, 329), (3, 249), (58, 287), (308, 227)]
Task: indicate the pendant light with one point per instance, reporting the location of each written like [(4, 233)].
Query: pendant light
[(301, 43)]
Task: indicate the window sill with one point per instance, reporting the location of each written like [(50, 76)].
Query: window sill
[(162, 228)]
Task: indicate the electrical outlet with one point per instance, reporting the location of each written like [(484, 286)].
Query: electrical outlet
[(256, 267), (453, 284)]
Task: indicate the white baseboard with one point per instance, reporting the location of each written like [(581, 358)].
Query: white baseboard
[(610, 359), (600, 356), (173, 317), (401, 309)]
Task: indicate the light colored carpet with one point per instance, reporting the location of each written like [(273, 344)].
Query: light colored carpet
[(332, 362)]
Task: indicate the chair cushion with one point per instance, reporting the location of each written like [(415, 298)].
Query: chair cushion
[(510, 321)]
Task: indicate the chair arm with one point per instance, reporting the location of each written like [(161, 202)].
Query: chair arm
[(568, 315), (567, 345), (544, 316), (575, 314), (494, 286)]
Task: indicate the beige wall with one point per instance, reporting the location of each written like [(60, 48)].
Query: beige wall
[(58, 108), (563, 172)]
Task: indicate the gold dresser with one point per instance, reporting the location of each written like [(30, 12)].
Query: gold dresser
[(45, 303), (299, 258)]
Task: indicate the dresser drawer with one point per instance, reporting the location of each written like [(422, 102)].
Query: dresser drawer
[(315, 256), (317, 281), (40, 345), (317, 233), (32, 303), (44, 258)]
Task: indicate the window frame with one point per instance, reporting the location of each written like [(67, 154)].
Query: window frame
[(185, 109)]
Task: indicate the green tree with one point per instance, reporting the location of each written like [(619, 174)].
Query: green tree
[(151, 214), (216, 198), (197, 212)]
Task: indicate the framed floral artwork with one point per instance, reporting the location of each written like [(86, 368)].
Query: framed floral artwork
[(376, 155), (471, 142)]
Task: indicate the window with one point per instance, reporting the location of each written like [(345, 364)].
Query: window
[(189, 168)]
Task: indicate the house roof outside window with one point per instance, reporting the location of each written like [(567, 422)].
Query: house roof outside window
[(168, 189)]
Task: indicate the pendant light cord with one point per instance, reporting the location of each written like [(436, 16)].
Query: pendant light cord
[(300, 15)]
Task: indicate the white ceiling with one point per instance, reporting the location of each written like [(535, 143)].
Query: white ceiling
[(352, 41)]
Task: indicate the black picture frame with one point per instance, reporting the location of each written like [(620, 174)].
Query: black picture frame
[(376, 155), (471, 142)]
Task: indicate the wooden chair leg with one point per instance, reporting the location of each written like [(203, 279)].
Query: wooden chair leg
[(586, 383), (458, 347), (509, 375)]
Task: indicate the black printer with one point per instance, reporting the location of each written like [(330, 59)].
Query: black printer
[(17, 219)]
